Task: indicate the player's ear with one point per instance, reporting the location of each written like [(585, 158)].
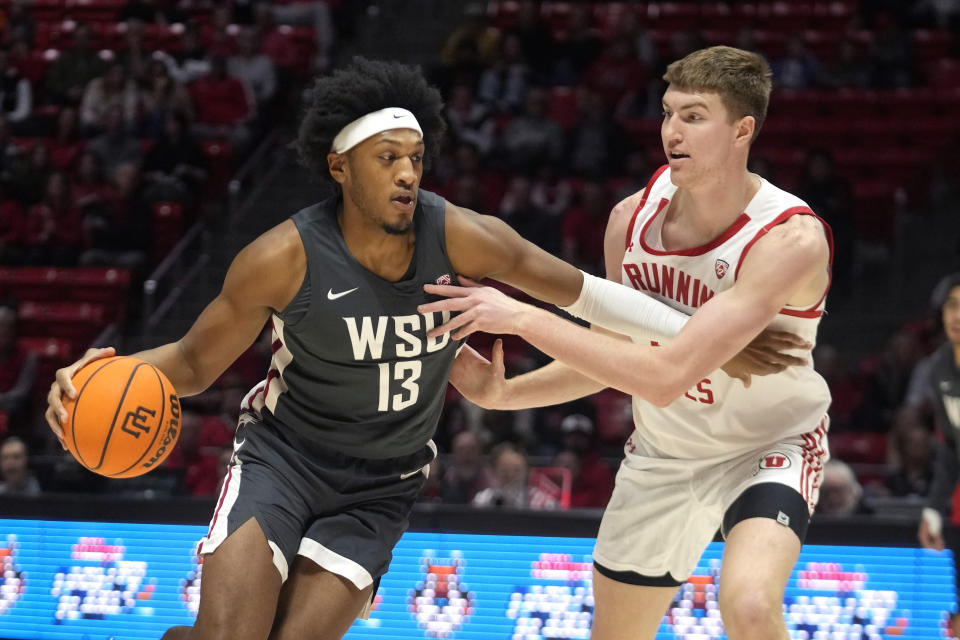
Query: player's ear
[(337, 163), (745, 128)]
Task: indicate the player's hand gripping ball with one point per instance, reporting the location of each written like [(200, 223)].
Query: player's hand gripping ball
[(125, 419)]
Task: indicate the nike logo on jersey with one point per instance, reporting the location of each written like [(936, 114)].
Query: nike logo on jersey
[(333, 296)]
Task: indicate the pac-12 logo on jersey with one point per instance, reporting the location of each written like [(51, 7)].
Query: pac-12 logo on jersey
[(444, 279), (775, 460), (721, 266)]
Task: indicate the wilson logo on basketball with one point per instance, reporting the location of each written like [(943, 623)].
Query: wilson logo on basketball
[(137, 420), (775, 461), (721, 266)]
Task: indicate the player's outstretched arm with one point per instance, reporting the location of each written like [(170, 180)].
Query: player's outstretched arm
[(264, 276), (788, 265)]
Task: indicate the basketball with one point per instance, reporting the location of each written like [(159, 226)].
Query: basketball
[(125, 419)]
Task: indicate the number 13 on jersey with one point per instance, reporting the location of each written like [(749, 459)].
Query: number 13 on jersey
[(408, 373)]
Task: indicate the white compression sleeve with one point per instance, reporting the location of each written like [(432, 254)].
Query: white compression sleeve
[(619, 308)]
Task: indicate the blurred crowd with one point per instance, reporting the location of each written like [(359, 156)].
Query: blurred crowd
[(552, 120)]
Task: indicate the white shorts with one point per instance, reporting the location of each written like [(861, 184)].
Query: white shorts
[(665, 511)]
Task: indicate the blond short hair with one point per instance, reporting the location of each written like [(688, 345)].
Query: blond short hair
[(741, 78)]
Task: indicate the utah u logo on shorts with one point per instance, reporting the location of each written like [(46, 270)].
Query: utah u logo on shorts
[(775, 460)]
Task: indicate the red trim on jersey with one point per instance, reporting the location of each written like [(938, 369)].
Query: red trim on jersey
[(812, 311), (695, 251), (216, 512), (643, 201)]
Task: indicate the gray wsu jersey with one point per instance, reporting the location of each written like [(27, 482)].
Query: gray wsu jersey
[(352, 367)]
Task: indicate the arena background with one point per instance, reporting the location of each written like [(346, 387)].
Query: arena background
[(553, 109)]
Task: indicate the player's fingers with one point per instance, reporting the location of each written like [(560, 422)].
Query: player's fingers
[(451, 325), (447, 304), (785, 339), (496, 357), (465, 331), (54, 424), (65, 383), (55, 401), (447, 290)]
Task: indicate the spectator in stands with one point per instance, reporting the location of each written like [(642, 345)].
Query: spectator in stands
[(273, 42), (116, 145), (255, 69), (31, 183), (549, 192), (595, 143), (472, 46), (151, 12), (20, 24), (222, 106), (535, 37), (310, 13), (468, 472), (532, 139), (118, 234), (469, 121), (616, 72), (519, 211), (160, 96), (583, 228), (54, 229), (510, 486), (134, 56), (503, 85), (885, 383), (848, 68), (845, 394), (190, 61), (66, 144), (11, 228), (798, 68), (831, 196), (578, 46), (91, 190), (114, 88), (216, 33), (16, 96), (912, 446), (840, 492), (30, 66), (592, 478), (633, 176), (15, 469), (18, 369), (891, 54), (74, 69), (11, 157), (173, 169), (944, 381)]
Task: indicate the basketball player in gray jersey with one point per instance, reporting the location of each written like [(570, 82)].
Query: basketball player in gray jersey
[(333, 447), (944, 391)]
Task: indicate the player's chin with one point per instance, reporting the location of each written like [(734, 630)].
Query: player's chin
[(398, 226)]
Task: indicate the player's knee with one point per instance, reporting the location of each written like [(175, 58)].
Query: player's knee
[(750, 613)]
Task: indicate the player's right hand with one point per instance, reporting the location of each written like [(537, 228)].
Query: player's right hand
[(63, 384), (481, 381), (766, 355), (928, 539)]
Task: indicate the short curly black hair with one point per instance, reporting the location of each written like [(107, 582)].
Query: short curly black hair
[(360, 88)]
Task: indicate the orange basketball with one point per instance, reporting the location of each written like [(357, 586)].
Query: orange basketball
[(125, 419)]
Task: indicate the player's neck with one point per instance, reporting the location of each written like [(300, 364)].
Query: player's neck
[(385, 254), (708, 209)]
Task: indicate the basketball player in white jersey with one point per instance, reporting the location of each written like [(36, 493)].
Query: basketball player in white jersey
[(708, 452)]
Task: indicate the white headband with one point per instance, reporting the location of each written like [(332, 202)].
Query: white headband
[(372, 124)]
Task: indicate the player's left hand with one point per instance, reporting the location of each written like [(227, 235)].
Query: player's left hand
[(767, 354), (479, 309)]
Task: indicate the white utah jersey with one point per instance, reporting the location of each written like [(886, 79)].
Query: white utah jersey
[(719, 417)]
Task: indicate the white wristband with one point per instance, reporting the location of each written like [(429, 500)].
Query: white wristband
[(933, 519), (624, 310)]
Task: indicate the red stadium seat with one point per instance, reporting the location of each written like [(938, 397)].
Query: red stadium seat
[(562, 106), (870, 448), (94, 10), (218, 154), (104, 285), (39, 284), (77, 321)]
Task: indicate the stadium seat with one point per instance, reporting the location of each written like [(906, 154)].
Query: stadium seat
[(76, 321), (103, 285), (39, 284)]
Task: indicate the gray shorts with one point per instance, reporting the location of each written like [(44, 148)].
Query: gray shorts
[(346, 514)]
